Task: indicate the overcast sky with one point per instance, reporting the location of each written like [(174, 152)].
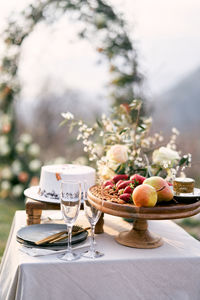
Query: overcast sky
[(167, 38)]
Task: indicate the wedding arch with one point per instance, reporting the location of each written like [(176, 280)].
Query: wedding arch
[(18, 164)]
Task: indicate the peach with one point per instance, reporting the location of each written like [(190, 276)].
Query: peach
[(163, 190), (144, 195)]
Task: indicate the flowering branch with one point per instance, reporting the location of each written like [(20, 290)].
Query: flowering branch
[(122, 144)]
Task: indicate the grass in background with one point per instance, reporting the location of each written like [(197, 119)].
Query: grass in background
[(7, 211), (191, 225)]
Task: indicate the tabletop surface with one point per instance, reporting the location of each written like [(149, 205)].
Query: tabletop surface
[(174, 264)]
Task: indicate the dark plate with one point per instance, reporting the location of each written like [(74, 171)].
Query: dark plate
[(188, 198), (48, 247), (33, 233)]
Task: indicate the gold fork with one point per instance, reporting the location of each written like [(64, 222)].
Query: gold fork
[(66, 235), (51, 237)]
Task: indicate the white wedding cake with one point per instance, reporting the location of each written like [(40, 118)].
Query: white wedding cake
[(50, 179)]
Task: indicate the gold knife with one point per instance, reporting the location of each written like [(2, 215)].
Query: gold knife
[(60, 238), (76, 229)]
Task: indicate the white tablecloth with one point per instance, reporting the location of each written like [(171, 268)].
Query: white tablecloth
[(169, 272)]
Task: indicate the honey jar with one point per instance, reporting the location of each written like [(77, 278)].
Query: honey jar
[(183, 185)]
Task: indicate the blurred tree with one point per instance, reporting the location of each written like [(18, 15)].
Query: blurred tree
[(112, 41)]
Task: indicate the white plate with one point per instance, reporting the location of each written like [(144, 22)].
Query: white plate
[(32, 193)]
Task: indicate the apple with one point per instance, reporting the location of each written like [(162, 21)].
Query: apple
[(163, 190), (144, 195)]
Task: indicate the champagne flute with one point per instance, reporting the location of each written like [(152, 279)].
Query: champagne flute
[(93, 216), (70, 201)]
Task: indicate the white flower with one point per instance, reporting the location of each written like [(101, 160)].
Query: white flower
[(6, 173), (25, 138), (34, 149), (16, 167), (35, 165), (67, 116), (5, 185), (4, 149), (118, 153), (98, 149), (79, 137), (108, 125), (148, 121), (17, 190), (3, 140), (165, 155), (145, 143), (105, 172), (100, 20), (175, 131), (20, 147), (86, 135), (83, 128)]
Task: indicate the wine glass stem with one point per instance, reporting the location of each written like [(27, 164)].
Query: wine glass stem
[(69, 248), (92, 238)]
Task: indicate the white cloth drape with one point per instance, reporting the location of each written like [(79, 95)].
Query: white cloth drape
[(171, 271)]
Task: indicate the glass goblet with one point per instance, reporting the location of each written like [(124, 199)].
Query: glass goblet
[(93, 216), (70, 200)]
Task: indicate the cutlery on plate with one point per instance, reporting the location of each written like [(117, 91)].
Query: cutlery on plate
[(53, 237), (60, 238)]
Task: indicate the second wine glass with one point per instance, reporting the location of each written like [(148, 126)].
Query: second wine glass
[(93, 216), (70, 200)]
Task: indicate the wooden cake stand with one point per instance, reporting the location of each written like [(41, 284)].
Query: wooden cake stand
[(139, 236)]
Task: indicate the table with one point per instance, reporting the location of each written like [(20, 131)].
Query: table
[(171, 271), (34, 212)]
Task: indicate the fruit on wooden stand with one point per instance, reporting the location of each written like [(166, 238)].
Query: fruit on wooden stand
[(108, 183), (138, 179), (162, 187), (119, 177), (129, 189), (139, 189), (124, 184), (126, 197), (144, 195), (118, 183), (120, 192)]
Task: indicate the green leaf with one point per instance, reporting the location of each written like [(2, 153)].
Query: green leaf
[(120, 169), (183, 160), (63, 122), (99, 123), (142, 128), (124, 130)]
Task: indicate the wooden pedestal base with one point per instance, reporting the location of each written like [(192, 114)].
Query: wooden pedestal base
[(139, 236)]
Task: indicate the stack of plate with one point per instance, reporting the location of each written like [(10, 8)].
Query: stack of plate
[(29, 235)]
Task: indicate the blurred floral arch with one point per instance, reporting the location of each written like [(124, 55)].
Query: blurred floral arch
[(19, 162)]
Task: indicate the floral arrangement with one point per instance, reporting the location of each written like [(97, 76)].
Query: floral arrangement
[(122, 144)]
